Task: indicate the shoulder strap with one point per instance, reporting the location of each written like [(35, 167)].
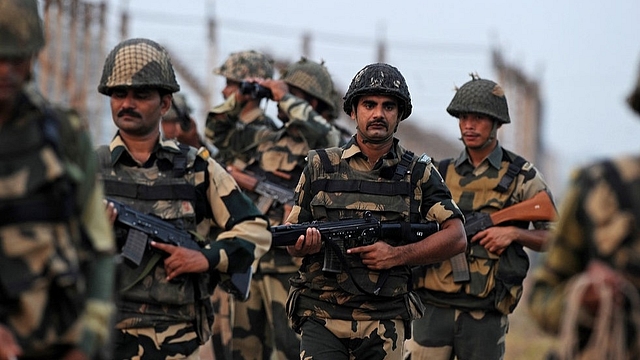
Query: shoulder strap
[(416, 174), (514, 169), (328, 167)]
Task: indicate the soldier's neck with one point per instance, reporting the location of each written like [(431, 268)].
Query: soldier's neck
[(140, 147)]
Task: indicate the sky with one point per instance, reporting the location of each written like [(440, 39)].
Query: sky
[(585, 55)]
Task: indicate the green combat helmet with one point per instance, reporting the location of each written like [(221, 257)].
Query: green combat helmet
[(480, 96), (379, 79), (21, 33), (312, 78), (246, 64), (634, 97), (138, 63)]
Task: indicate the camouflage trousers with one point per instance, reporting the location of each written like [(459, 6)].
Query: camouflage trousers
[(172, 342), (446, 333), (333, 339), (259, 327)]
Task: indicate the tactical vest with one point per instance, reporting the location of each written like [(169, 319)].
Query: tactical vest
[(41, 239), (495, 280), (341, 192), (174, 190)]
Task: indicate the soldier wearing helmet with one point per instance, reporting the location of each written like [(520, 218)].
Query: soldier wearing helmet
[(179, 124), (302, 93), (56, 246), (593, 255), (364, 308), (240, 106), (477, 291), (164, 307)]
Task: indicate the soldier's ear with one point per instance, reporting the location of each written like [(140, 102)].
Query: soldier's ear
[(165, 103)]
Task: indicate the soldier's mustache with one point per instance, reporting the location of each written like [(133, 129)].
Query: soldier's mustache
[(129, 112), (383, 123)]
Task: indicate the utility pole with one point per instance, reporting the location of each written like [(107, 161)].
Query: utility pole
[(212, 53)]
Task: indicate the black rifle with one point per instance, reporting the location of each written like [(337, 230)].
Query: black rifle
[(268, 191), (346, 234), (142, 228)]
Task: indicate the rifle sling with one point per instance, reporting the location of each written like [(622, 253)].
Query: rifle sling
[(152, 262)]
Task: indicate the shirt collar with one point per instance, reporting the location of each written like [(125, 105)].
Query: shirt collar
[(494, 159)]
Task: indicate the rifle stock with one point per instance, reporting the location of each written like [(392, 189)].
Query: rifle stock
[(537, 208)]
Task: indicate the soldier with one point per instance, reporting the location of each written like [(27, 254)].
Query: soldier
[(164, 308), (303, 93), (364, 311), (467, 317), (332, 114), (240, 105), (178, 124), (245, 111), (588, 280), (56, 245)]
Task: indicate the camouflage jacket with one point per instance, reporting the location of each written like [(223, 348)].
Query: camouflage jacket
[(53, 229), (197, 194), (278, 155), (598, 220), (496, 281), (348, 295), (224, 122)]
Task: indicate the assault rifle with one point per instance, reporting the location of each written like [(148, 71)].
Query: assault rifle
[(346, 234), (142, 228), (538, 208), (268, 191)]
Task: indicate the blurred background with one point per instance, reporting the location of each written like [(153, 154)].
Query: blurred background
[(566, 66)]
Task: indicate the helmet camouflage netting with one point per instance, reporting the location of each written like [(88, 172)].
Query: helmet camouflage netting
[(480, 96), (246, 64), (138, 63), (312, 78)]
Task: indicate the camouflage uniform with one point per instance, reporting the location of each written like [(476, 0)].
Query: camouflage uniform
[(156, 318), (469, 319), (56, 246), (349, 314), (598, 221), (260, 324), (238, 67)]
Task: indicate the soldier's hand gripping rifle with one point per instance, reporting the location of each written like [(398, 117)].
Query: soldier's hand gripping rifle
[(538, 208), (339, 236), (143, 228)]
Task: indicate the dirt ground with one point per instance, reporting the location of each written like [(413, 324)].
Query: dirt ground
[(525, 340)]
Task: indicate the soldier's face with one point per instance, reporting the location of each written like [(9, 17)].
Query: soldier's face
[(376, 117), (14, 73), (475, 129), (137, 111), (230, 88)]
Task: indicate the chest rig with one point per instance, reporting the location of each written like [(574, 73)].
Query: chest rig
[(173, 189), (340, 192), (480, 279)]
